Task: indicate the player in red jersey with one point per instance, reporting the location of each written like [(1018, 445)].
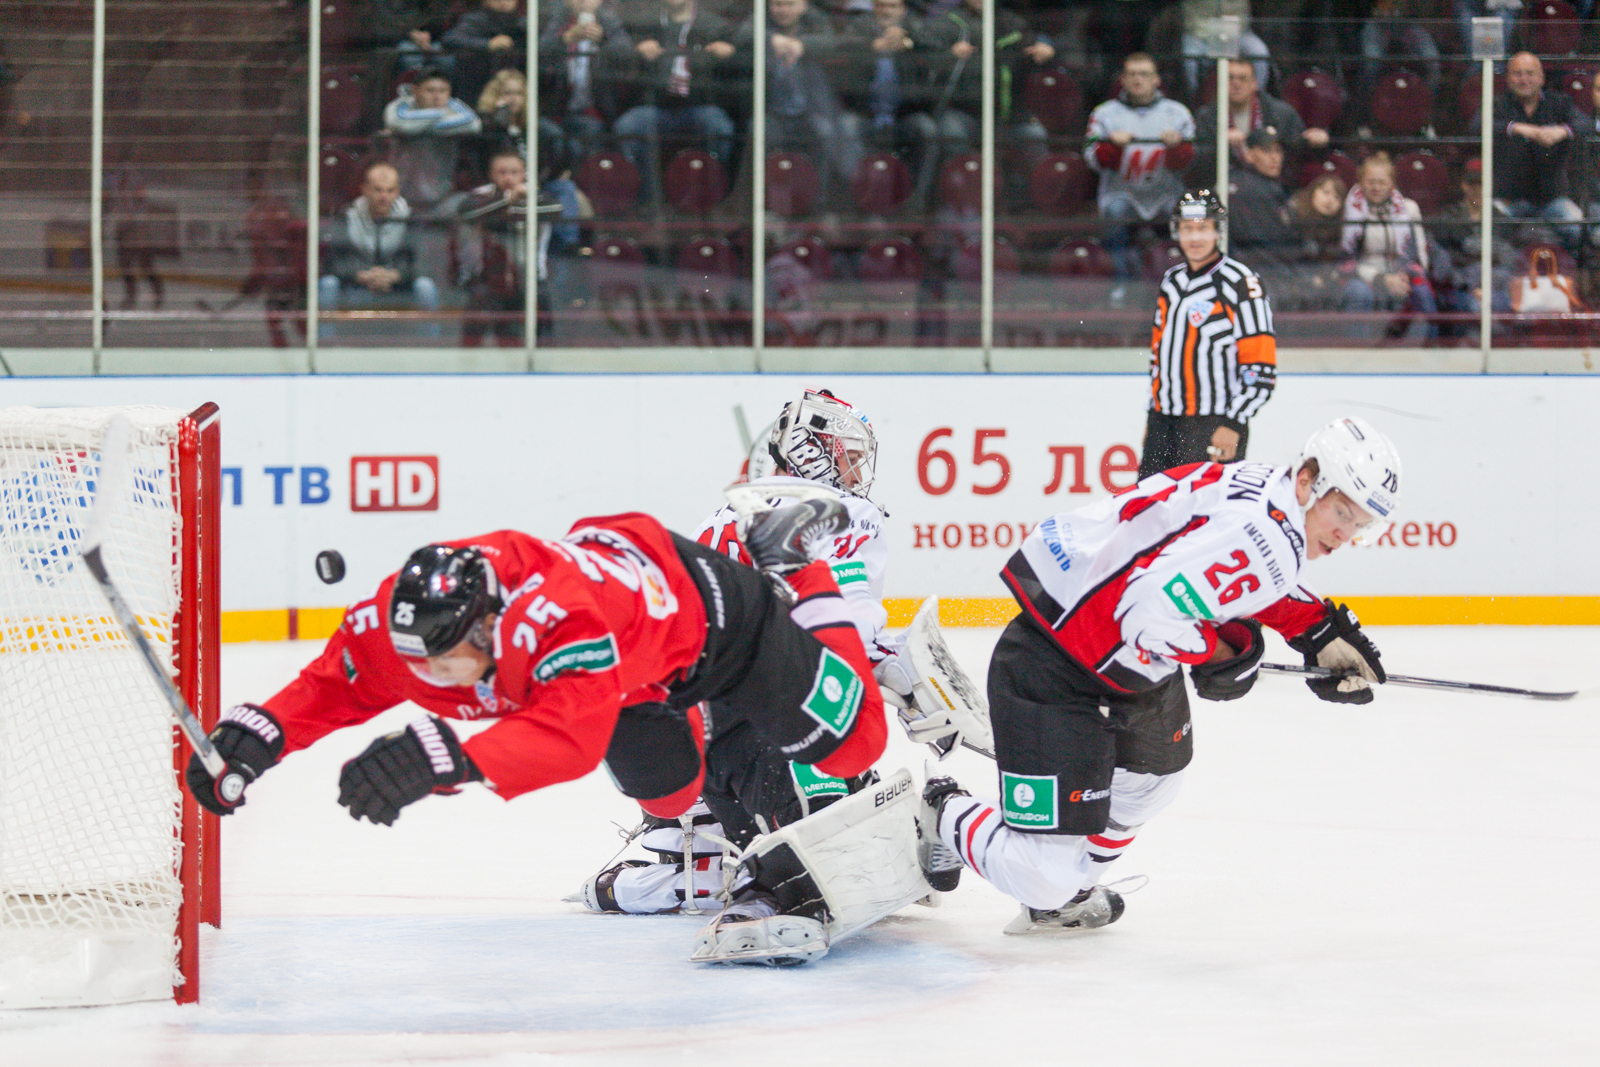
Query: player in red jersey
[(602, 645)]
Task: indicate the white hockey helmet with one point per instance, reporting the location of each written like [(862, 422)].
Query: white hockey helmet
[(821, 438), (1360, 462)]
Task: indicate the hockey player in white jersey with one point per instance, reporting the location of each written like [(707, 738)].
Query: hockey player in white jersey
[(1140, 142), (750, 787), (1090, 715)]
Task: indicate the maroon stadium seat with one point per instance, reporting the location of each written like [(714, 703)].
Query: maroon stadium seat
[(694, 181), (961, 183), (343, 160), (792, 184), (1578, 83), (1061, 184), (812, 253), (1079, 259), (1054, 98), (1469, 99), (1402, 104), (1551, 28), (1316, 96), (707, 267), (341, 25), (610, 182), (891, 259), (1161, 256), (1335, 162), (1423, 177), (344, 89), (968, 265), (881, 184)]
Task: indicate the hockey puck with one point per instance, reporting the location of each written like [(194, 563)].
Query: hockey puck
[(330, 566)]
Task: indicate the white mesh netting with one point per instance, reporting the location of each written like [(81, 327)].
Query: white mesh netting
[(89, 804)]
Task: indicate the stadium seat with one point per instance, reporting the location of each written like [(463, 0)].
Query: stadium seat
[(961, 183), (610, 181), (891, 259), (1160, 257), (968, 263), (880, 184), (342, 163), (812, 254), (1551, 28), (1054, 98), (792, 184), (694, 182), (1469, 99), (1335, 162), (616, 263), (344, 89), (1423, 177), (1578, 83), (1061, 184), (1079, 259), (1316, 96), (341, 25), (1402, 104)]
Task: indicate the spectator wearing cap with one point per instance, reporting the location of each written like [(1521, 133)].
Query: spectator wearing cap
[(1249, 108), (1458, 274), (1259, 229), (1386, 252), (1533, 146)]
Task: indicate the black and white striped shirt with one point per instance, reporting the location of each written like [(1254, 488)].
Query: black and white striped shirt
[(1212, 351)]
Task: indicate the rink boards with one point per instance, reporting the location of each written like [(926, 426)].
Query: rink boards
[(1493, 524)]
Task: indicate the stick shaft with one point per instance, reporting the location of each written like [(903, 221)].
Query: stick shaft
[(1426, 683)]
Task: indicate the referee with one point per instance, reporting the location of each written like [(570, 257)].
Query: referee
[(1213, 357)]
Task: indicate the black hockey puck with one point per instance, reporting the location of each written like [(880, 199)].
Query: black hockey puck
[(330, 566)]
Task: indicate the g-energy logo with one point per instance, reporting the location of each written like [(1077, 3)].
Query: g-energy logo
[(1296, 542)]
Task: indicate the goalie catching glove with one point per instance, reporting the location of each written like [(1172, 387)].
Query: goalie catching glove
[(250, 740), (1231, 678), (1338, 644), (403, 767)]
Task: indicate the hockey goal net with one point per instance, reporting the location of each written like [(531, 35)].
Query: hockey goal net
[(106, 865)]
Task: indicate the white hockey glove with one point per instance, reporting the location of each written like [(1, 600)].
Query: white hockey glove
[(935, 728)]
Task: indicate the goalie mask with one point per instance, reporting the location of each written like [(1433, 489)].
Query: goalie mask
[(439, 597), (1361, 463), (823, 439)]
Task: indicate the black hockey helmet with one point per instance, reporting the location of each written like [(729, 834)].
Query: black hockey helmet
[(1199, 204), (439, 596)]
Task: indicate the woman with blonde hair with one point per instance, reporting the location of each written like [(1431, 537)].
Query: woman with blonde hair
[(1387, 251)]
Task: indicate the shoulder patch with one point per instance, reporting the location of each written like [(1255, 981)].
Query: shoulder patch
[(349, 666), (591, 657), (850, 572)]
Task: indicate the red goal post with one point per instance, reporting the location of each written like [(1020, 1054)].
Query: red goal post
[(107, 866)]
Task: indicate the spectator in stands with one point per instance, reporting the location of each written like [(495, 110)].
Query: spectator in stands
[(1387, 252), (803, 110), (1197, 17), (412, 27), (487, 40), (886, 83), (503, 108), (1249, 108), (428, 125), (1139, 143), (1533, 138), (958, 79), (1459, 228), (1587, 183), (1259, 229), (1316, 214), (372, 255), (684, 63), (1393, 33), (582, 51)]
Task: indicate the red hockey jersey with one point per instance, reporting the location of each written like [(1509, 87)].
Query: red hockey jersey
[(604, 612)]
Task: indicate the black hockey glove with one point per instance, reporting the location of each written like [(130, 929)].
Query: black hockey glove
[(403, 767), (1231, 679), (250, 740), (1338, 644)]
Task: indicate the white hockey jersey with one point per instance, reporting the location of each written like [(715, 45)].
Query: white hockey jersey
[(1135, 585), (858, 557), (1143, 174)]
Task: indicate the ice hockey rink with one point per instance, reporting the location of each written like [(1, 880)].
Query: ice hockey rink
[(1409, 882)]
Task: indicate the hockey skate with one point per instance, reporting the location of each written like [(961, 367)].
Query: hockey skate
[(1092, 908), (941, 866), (753, 932), (781, 540), (599, 893)]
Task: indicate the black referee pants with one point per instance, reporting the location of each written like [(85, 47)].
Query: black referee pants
[(1174, 440)]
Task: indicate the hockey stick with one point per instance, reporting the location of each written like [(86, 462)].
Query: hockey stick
[(113, 471), (1425, 683)]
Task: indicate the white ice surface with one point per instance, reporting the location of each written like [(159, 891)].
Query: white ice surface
[(1411, 882)]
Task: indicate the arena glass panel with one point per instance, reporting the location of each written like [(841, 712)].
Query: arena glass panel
[(45, 102), (203, 211)]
